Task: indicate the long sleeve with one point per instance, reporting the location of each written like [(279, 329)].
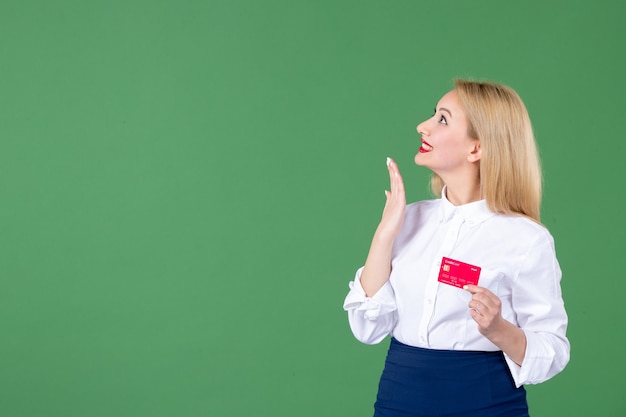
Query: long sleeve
[(371, 318), (540, 313)]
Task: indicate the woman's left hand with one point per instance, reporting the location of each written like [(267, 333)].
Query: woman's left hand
[(485, 309)]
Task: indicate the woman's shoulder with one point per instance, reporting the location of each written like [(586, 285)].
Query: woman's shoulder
[(520, 225), (422, 207), (423, 204)]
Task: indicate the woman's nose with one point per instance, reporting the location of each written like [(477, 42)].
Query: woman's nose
[(421, 128)]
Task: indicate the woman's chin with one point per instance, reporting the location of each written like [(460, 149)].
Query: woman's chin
[(419, 160)]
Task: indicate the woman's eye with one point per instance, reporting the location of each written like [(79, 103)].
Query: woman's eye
[(443, 120)]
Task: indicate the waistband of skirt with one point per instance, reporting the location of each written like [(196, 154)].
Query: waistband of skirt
[(442, 354)]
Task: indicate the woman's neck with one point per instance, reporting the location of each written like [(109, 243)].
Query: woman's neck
[(459, 194)]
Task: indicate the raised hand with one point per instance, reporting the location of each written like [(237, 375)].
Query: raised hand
[(378, 264), (393, 213)]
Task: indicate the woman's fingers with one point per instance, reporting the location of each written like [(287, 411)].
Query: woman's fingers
[(393, 214), (485, 308), (395, 179), (391, 174), (395, 182)]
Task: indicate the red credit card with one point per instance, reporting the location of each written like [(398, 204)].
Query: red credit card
[(457, 273)]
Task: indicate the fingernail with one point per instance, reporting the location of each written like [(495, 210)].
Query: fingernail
[(464, 287), (388, 161)]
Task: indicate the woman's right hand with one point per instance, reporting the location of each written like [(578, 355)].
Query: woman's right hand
[(393, 213), (378, 264)]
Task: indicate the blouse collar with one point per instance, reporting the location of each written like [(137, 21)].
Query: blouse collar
[(473, 213)]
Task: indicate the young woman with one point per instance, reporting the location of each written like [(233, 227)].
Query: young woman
[(468, 285)]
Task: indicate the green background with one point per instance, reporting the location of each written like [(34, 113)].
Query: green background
[(186, 188)]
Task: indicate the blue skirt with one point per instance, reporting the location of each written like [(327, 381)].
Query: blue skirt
[(420, 382)]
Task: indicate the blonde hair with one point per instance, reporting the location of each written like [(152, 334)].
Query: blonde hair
[(510, 172)]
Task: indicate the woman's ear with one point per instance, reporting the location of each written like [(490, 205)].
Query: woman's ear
[(474, 155)]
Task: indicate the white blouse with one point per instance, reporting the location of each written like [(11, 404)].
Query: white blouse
[(518, 264)]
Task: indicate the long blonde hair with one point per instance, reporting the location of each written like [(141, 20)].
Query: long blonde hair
[(510, 172)]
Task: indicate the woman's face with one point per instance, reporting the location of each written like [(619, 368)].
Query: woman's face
[(446, 146)]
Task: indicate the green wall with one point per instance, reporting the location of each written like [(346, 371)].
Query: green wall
[(186, 188)]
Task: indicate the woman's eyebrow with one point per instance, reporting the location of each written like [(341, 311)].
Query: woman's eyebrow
[(443, 109), (446, 110)]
